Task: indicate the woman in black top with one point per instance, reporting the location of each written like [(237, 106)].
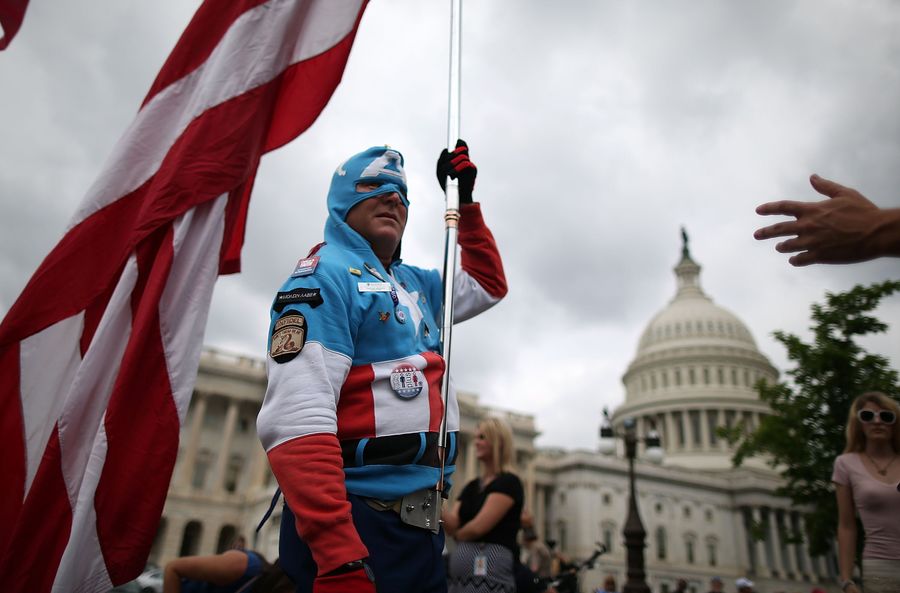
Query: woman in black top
[(486, 517)]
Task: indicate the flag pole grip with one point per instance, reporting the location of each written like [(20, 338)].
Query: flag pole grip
[(451, 220)]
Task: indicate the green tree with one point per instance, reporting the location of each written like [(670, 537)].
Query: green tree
[(805, 432)]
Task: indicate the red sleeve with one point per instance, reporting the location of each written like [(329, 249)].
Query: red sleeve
[(311, 475), (480, 257)]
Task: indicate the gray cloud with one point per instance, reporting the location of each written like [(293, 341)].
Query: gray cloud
[(598, 128)]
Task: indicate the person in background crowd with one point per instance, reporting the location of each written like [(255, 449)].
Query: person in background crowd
[(353, 405), (537, 554), (609, 585), (866, 477), (744, 585), (486, 517), (843, 229), (681, 586), (220, 573), (715, 585)]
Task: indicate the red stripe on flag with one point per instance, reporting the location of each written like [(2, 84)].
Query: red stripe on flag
[(12, 443), (356, 407), (141, 424), (42, 530), (434, 374), (92, 317), (305, 89), (11, 14), (235, 226)]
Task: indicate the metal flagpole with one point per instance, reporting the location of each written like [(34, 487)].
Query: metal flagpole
[(451, 219)]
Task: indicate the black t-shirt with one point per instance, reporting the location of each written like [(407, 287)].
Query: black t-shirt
[(472, 498)]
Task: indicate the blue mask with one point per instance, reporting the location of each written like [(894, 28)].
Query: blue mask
[(380, 164)]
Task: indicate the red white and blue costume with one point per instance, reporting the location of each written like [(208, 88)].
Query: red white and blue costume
[(353, 404)]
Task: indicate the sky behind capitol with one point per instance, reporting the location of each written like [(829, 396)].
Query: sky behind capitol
[(599, 128)]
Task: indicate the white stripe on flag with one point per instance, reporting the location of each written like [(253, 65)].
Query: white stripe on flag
[(242, 60), (48, 362), (82, 567), (89, 393), (184, 305)]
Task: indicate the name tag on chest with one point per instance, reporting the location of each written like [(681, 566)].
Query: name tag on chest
[(374, 286)]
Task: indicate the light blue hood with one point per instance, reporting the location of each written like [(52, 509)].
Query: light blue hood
[(378, 163)]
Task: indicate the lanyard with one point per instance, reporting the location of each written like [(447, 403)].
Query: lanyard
[(398, 313)]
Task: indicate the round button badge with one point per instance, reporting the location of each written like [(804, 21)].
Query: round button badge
[(407, 381)]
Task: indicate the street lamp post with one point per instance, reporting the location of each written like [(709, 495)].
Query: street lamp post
[(634, 532)]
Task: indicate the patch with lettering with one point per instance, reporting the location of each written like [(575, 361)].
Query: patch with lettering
[(288, 337), (306, 266), (310, 296)]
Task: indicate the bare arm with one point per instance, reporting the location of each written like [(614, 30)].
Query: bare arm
[(846, 533), (495, 506), (450, 517), (219, 570), (845, 228)]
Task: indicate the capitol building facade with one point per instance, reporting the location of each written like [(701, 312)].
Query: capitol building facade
[(693, 372)]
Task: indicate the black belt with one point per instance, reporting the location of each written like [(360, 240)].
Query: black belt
[(401, 449)]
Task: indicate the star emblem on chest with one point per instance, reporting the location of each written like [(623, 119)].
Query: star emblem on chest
[(410, 300)]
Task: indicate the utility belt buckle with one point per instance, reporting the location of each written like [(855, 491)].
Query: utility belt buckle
[(422, 509)]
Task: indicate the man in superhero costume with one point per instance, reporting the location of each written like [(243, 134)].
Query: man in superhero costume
[(353, 406)]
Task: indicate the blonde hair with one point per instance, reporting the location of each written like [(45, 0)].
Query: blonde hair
[(856, 438), (498, 434)]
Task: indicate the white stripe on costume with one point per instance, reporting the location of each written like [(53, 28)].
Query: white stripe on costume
[(302, 395), (469, 298), (394, 414)]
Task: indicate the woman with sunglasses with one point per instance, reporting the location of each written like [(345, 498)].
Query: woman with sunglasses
[(866, 478), (486, 517)]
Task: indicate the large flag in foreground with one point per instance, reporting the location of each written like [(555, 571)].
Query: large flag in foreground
[(99, 354), (11, 14)]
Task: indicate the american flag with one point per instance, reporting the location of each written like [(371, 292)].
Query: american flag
[(99, 354)]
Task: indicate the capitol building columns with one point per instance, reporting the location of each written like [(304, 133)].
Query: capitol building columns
[(223, 457), (195, 422)]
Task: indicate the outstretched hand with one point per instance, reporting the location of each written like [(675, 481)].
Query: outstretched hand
[(841, 229), (456, 165)]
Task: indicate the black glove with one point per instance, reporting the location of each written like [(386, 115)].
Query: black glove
[(456, 165), (353, 576)]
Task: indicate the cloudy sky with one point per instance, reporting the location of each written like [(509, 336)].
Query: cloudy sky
[(599, 128)]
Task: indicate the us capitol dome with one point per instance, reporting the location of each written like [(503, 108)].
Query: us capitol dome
[(695, 370)]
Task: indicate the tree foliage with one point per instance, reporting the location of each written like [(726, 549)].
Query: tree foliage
[(805, 432)]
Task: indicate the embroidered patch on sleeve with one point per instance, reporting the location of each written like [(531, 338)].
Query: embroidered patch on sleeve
[(311, 296), (306, 266), (288, 337)]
